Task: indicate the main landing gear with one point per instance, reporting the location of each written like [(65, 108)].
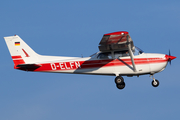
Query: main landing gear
[(120, 84)]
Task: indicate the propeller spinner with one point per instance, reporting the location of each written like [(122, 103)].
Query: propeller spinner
[(169, 57)]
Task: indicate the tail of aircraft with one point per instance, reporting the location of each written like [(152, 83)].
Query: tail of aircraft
[(20, 52), (24, 57)]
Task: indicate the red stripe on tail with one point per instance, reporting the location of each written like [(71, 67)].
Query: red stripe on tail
[(25, 53), (17, 60), (16, 57)]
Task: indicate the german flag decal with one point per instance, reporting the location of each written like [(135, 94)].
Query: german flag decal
[(17, 43)]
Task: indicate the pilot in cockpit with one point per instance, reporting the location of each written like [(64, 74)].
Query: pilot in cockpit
[(118, 54)]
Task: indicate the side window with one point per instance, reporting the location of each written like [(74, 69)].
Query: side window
[(118, 54), (106, 55)]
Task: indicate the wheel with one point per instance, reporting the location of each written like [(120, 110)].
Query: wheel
[(119, 80), (121, 86), (155, 83)]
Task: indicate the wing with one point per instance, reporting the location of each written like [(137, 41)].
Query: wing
[(115, 41)]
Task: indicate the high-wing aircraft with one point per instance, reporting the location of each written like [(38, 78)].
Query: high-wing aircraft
[(117, 56)]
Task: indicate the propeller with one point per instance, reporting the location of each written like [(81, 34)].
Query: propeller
[(170, 57)]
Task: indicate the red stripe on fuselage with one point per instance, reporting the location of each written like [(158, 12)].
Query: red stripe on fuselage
[(73, 65)]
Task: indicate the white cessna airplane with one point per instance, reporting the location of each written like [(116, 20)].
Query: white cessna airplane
[(117, 56)]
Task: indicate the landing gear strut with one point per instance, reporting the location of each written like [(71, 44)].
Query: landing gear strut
[(155, 83), (120, 84)]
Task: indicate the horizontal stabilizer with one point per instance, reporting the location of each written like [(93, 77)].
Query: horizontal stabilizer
[(28, 67)]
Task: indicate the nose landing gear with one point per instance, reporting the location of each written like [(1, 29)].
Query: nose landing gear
[(155, 83)]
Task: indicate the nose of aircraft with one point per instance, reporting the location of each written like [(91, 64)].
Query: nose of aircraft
[(169, 57), (172, 57)]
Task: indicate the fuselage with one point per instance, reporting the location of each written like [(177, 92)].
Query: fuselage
[(146, 63)]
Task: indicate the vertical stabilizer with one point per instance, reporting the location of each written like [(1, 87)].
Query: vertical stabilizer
[(20, 52)]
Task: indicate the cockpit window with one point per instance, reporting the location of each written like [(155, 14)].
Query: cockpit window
[(116, 54), (125, 53), (121, 53), (106, 55)]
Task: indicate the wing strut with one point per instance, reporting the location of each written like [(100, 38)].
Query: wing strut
[(131, 54)]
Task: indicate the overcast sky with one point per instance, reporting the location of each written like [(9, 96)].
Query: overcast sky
[(72, 28)]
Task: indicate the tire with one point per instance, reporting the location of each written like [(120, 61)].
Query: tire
[(119, 80), (121, 86), (155, 84)]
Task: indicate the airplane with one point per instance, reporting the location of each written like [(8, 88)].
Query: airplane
[(117, 56)]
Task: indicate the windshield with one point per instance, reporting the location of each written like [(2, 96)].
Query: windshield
[(137, 51), (93, 55)]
